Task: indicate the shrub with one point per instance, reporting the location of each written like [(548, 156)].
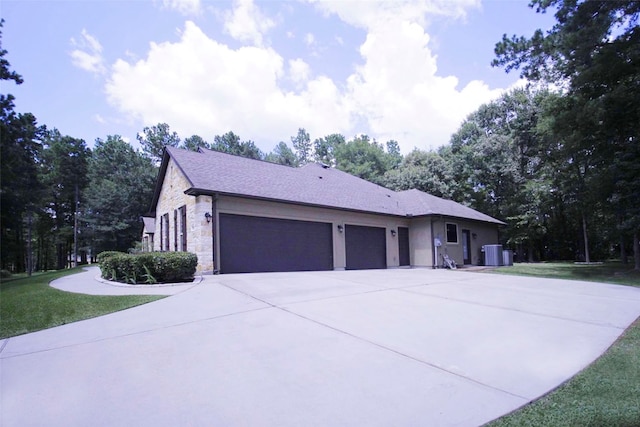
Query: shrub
[(149, 267), (106, 254), (5, 274)]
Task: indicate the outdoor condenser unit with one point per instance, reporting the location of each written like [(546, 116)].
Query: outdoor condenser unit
[(493, 255)]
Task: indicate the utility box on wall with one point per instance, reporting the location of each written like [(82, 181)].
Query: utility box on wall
[(493, 255)]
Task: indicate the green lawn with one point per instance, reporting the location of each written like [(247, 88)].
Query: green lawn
[(609, 272), (607, 393), (29, 304)]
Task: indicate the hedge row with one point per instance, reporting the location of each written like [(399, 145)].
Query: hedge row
[(148, 267)]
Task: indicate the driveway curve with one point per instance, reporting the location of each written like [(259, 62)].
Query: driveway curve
[(378, 347)]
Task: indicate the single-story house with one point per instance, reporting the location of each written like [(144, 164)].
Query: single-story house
[(242, 215)]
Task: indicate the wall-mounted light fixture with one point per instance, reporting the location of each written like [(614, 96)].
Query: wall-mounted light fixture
[(340, 228), (393, 233), (207, 215), (474, 235)]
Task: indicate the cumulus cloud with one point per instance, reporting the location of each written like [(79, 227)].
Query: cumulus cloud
[(299, 71), (87, 53), (399, 93), (185, 7), (201, 86), (245, 22)]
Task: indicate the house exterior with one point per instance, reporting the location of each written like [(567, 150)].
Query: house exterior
[(242, 215)]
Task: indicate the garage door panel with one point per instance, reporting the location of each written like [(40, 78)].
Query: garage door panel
[(366, 247), (258, 244)]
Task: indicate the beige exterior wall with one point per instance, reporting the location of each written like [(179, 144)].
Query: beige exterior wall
[(485, 234), (242, 206), (200, 232)]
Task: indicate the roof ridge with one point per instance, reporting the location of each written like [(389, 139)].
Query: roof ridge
[(210, 151)]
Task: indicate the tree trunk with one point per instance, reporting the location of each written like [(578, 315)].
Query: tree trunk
[(530, 250), (74, 262), (29, 248), (623, 251), (636, 250), (586, 239)]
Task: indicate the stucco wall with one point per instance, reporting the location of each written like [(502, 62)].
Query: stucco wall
[(485, 234)]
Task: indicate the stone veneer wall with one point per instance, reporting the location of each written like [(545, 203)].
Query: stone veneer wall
[(199, 232)]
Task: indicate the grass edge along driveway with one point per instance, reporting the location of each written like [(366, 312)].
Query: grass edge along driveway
[(607, 392), (29, 304)]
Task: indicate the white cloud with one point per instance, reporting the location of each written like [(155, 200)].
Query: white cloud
[(309, 39), (185, 7), (299, 71), (87, 53), (376, 13), (399, 93), (247, 23), (201, 86)]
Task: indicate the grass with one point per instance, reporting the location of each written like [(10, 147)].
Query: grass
[(29, 304), (609, 272), (607, 393)]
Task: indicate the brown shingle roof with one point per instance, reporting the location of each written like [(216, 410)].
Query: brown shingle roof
[(215, 172)]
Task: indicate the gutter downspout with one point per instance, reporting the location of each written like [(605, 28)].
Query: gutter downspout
[(433, 246)]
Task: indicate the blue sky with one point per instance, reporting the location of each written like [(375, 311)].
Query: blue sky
[(409, 71)]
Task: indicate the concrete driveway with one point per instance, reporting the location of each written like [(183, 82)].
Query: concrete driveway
[(385, 347)]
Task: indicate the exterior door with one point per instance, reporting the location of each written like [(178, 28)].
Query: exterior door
[(466, 246), (251, 244), (404, 256), (366, 247)]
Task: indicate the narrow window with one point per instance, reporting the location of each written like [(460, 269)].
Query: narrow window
[(175, 230), (452, 233), (166, 232), (183, 228)]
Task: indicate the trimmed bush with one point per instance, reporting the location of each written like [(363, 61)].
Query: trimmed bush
[(149, 267), (106, 254)]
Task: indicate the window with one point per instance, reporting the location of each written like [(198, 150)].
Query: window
[(452, 233), (182, 211), (175, 230), (165, 237)]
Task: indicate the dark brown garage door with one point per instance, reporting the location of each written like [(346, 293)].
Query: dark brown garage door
[(251, 244), (366, 247)]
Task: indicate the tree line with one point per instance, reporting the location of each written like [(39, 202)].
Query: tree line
[(561, 167)]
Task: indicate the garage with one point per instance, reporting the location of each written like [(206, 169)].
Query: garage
[(250, 244), (366, 247)]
